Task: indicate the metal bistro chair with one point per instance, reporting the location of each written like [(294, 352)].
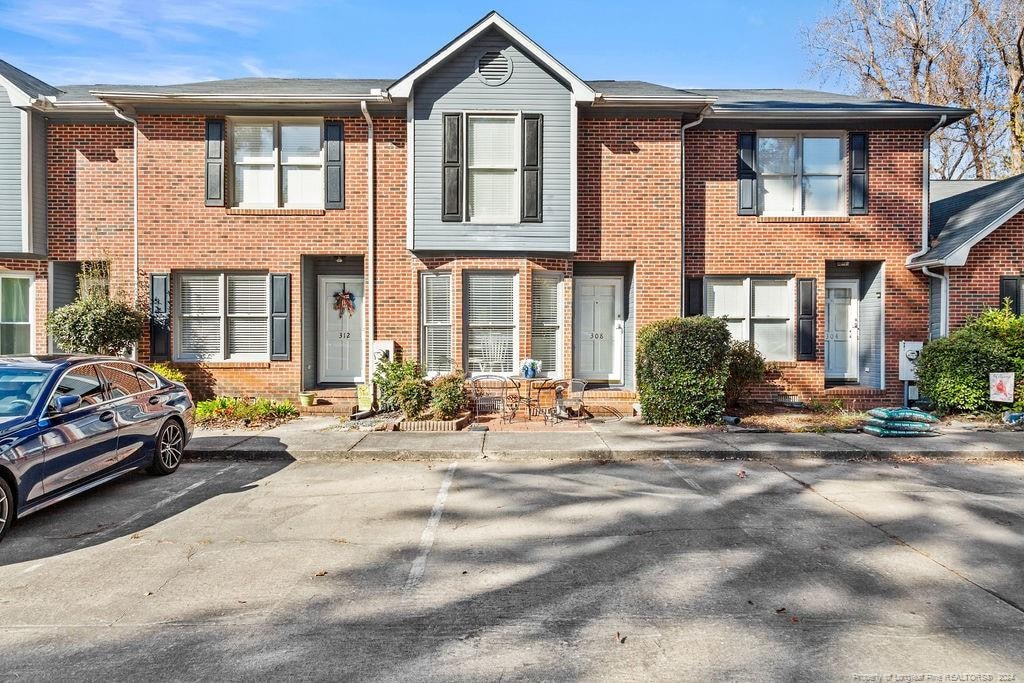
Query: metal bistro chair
[(495, 394)]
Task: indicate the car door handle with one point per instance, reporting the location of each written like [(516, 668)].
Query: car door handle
[(153, 400), (107, 415)]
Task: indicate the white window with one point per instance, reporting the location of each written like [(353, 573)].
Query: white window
[(802, 173), (15, 314), (492, 168), (221, 317), (546, 326), (758, 310), (436, 317), (491, 315), (277, 163)]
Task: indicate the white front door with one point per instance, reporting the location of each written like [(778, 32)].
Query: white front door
[(598, 328), (340, 332), (842, 309)]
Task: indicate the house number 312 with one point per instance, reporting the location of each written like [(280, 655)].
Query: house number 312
[(344, 335)]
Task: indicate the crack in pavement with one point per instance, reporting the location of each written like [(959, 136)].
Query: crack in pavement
[(896, 539)]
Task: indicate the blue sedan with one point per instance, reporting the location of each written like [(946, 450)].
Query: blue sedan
[(70, 423)]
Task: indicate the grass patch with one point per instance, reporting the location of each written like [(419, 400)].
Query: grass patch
[(224, 411)]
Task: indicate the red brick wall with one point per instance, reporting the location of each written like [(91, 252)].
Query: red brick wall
[(719, 242), (974, 287)]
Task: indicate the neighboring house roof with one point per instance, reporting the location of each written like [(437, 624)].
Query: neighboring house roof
[(30, 87), (941, 189), (960, 221), (803, 103)]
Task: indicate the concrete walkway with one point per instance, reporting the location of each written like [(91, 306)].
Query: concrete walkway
[(313, 438)]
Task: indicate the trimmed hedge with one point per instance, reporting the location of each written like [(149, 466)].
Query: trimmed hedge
[(682, 370)]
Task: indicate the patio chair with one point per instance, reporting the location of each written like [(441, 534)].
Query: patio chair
[(570, 400), (493, 354), (495, 394)]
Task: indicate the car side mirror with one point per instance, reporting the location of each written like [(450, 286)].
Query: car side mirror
[(66, 403)]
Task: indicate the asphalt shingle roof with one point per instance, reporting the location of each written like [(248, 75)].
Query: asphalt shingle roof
[(958, 219), (25, 82), (942, 189)]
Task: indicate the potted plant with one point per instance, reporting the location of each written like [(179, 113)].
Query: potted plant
[(307, 398), (529, 368)]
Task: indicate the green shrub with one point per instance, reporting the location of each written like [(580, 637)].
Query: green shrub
[(97, 325), (168, 372), (387, 377), (746, 367), (682, 370), (953, 372), (231, 410), (448, 395), (413, 396)]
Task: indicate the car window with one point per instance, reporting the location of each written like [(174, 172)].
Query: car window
[(18, 390), (121, 379), (148, 379), (83, 381)]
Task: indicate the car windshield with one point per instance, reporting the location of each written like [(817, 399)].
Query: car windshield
[(19, 388)]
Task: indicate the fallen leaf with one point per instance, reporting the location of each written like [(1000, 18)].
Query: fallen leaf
[(322, 572), (465, 572), (620, 638), (780, 610), (742, 474)]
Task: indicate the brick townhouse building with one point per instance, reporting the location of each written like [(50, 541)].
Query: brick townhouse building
[(488, 206)]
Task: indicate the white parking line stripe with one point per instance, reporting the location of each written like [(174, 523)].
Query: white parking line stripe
[(679, 473), (427, 538)]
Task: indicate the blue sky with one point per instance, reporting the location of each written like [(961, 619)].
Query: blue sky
[(743, 44)]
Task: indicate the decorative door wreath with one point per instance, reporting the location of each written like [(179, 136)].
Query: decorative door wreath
[(344, 302)]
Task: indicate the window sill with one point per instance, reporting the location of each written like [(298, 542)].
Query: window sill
[(221, 364), (803, 219), (238, 211)]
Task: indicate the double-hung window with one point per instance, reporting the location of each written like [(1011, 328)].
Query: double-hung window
[(436, 317), (757, 310), (221, 316), (546, 325), (802, 173), (278, 163), (492, 168), (15, 314), (491, 320)]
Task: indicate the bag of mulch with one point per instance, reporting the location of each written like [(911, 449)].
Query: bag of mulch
[(902, 415), (900, 425), (883, 432)]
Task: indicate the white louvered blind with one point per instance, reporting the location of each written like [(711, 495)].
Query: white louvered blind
[(726, 298), (221, 317), (771, 311), (436, 297), (546, 328), (492, 165), (253, 143), (247, 324), (490, 321), (199, 310)]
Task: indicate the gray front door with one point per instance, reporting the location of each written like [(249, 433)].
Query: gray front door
[(340, 341)]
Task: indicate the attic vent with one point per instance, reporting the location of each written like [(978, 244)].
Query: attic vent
[(494, 68)]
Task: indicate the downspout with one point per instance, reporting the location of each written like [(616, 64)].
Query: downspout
[(135, 207), (370, 240), (926, 155), (682, 207)]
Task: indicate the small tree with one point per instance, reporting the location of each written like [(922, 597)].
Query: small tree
[(97, 323)]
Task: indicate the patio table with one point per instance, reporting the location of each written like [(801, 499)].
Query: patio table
[(535, 385)]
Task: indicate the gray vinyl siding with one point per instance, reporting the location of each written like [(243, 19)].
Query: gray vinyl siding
[(313, 266), (625, 270), (10, 176), (38, 151), (872, 284), (934, 308), (454, 87)]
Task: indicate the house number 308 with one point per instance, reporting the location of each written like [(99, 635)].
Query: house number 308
[(597, 335)]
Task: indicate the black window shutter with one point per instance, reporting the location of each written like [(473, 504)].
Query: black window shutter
[(159, 316), (746, 175), (1008, 289), (280, 316), (451, 168), (533, 168), (334, 165), (214, 162), (807, 324), (858, 174), (694, 304)]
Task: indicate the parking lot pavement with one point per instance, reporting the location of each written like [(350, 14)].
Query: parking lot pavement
[(535, 569)]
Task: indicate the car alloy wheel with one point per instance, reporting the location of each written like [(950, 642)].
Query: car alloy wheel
[(6, 509), (172, 442)]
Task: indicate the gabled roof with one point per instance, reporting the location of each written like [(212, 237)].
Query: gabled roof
[(960, 221), (943, 189), (28, 86), (402, 88)]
